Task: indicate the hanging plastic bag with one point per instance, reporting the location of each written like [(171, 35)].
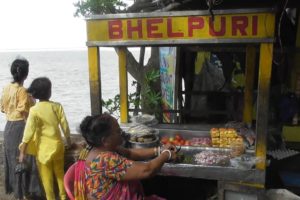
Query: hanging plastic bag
[(210, 78)]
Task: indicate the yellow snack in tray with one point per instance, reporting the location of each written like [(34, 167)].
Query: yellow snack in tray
[(231, 140), (224, 146), (222, 130), (223, 134), (237, 147), (223, 141), (215, 141), (214, 132), (231, 133)]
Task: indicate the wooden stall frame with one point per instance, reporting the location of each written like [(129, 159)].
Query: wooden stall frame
[(101, 26)]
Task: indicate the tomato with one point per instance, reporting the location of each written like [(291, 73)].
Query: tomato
[(164, 140), (178, 137), (182, 142), (187, 143)]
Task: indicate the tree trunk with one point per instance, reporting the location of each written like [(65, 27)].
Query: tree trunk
[(138, 71)]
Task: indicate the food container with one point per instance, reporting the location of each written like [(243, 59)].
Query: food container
[(154, 143), (141, 136), (237, 149)]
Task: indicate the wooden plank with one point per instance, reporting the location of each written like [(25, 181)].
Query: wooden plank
[(95, 80), (249, 82), (265, 68), (123, 86)]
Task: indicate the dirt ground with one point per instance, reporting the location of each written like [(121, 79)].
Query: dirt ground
[(3, 196)]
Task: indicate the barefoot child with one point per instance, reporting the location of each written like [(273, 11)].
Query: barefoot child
[(42, 137)]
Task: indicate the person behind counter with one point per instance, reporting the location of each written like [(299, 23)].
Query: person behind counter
[(42, 137), (105, 170), (15, 103)]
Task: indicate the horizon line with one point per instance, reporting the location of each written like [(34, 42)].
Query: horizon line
[(44, 49), (56, 49)]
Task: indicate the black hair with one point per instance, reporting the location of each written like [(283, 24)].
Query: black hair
[(94, 128), (19, 70), (40, 88)]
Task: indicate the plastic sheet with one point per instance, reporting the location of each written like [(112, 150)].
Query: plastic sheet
[(140, 130), (145, 119)]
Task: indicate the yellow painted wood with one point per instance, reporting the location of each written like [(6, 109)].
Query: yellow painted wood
[(95, 82), (291, 133), (265, 68), (164, 28), (249, 82), (255, 185), (123, 86)]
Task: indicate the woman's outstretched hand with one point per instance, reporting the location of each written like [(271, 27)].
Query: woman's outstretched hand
[(172, 149), (174, 155), (22, 148)]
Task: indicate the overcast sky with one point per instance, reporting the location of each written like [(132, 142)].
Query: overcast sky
[(40, 24)]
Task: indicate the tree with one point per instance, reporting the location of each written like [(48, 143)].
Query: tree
[(91, 7), (137, 69)]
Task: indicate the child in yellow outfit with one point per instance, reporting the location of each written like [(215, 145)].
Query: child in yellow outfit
[(42, 137)]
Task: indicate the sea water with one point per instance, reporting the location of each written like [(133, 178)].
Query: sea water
[(68, 71)]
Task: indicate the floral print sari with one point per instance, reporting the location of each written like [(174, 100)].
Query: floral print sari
[(101, 179)]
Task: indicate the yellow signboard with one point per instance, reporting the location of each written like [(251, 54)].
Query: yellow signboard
[(189, 28)]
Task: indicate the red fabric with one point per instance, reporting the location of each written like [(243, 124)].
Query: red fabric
[(69, 181)]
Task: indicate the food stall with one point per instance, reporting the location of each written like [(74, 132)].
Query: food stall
[(250, 29)]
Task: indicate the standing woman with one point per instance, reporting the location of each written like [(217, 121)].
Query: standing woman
[(15, 103)]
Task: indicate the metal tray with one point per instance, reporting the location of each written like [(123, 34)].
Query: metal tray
[(214, 172), (189, 134), (190, 151)]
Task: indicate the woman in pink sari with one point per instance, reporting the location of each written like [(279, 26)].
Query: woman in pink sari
[(106, 170)]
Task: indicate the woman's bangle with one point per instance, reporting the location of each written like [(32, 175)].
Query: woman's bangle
[(155, 151), (170, 154), (158, 151)]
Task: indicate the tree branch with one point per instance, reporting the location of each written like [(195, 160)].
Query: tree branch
[(133, 67)]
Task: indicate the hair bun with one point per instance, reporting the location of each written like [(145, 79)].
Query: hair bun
[(85, 124)]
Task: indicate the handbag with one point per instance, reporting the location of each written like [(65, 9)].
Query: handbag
[(21, 168)]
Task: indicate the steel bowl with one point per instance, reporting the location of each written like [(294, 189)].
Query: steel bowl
[(139, 145)]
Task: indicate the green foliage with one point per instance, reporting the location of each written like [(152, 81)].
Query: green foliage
[(91, 7), (152, 76), (112, 105), (133, 100), (151, 100)]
